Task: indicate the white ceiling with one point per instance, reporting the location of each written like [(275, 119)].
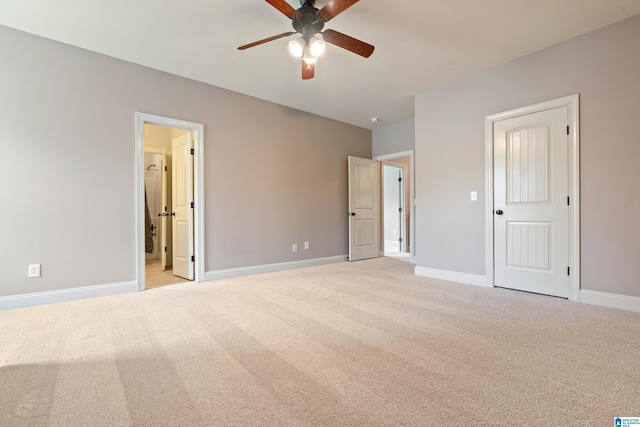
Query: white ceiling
[(419, 44)]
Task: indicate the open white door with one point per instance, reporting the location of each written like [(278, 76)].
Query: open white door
[(164, 213), (531, 219), (182, 202), (364, 209)]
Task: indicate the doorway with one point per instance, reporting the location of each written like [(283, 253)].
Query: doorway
[(532, 199), (170, 230), (398, 215), (394, 207)]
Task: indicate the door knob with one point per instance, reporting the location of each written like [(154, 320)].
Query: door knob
[(352, 213), (499, 212)]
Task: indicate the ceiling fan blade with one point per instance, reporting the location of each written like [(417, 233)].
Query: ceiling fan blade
[(308, 70), (334, 8), (268, 39), (284, 7), (349, 43)]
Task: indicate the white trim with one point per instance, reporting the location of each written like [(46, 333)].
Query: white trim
[(452, 276), (198, 182), (271, 268), (412, 175), (572, 103), (63, 295), (605, 299)]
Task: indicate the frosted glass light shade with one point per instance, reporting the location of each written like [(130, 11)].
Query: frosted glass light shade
[(296, 47), (308, 57), (316, 46)]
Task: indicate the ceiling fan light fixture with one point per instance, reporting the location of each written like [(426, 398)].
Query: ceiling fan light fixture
[(308, 57), (316, 46), (297, 47), (309, 21)]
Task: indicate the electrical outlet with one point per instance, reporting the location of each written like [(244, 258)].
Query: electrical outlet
[(306, 245), (294, 247), (34, 270), (474, 196)]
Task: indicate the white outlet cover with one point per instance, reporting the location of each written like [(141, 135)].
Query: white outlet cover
[(34, 270)]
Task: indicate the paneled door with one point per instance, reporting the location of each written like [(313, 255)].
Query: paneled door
[(531, 212), (364, 208), (182, 199)]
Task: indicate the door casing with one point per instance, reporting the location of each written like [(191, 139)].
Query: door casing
[(572, 104), (198, 190)]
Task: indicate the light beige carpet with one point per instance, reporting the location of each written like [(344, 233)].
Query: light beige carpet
[(350, 344)]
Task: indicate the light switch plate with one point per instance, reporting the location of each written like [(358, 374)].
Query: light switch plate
[(474, 196)]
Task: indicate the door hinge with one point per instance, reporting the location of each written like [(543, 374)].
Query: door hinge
[(165, 169), (400, 179), (400, 239), (568, 201), (568, 133), (193, 258), (399, 209), (193, 205), (193, 151), (165, 249), (568, 271)]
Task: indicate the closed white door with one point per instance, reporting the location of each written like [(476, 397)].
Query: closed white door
[(531, 212), (182, 199), (364, 209)]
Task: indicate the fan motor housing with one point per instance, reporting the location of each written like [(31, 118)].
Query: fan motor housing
[(307, 22)]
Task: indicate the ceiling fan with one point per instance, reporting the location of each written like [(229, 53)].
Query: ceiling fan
[(308, 21)]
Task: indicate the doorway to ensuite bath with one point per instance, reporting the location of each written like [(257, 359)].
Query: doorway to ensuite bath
[(170, 200), (158, 205)]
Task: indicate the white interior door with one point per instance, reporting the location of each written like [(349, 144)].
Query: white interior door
[(393, 208), (531, 212), (182, 199), (164, 212), (364, 209), (402, 209)]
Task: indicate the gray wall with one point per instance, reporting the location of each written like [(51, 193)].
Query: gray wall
[(394, 138), (604, 68), (67, 180)]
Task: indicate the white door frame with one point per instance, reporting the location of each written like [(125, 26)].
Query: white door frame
[(198, 190), (412, 204), (573, 105)]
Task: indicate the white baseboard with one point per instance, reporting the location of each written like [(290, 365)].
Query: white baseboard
[(62, 295), (270, 268), (452, 276), (605, 299)]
